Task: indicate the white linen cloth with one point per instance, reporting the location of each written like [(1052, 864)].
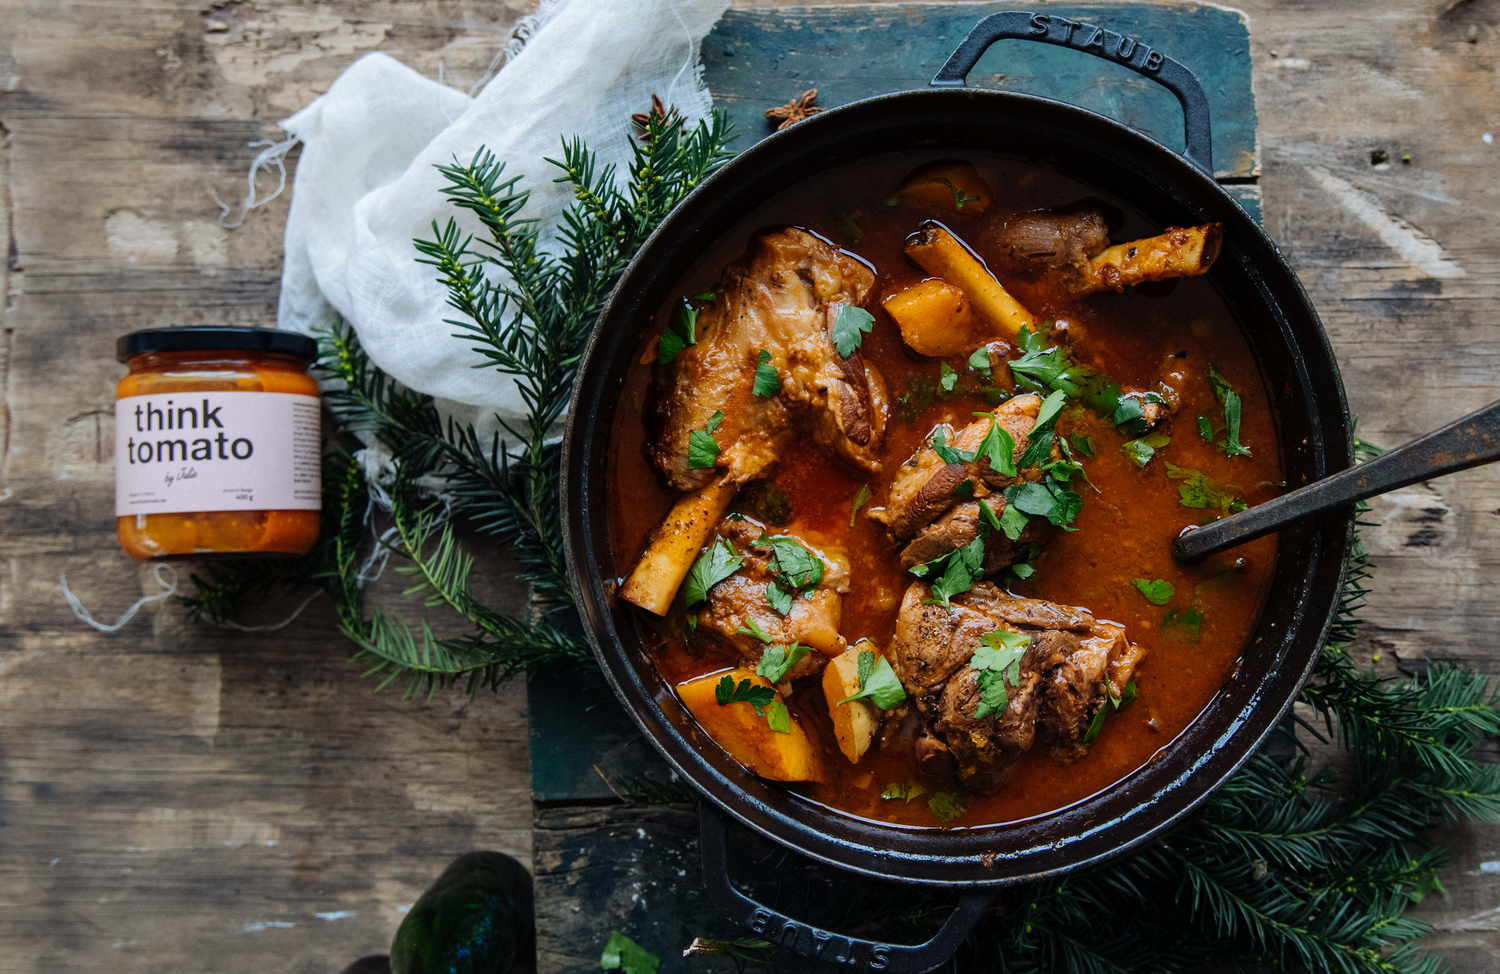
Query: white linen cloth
[(365, 184)]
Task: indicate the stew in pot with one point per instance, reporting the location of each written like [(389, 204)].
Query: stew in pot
[(897, 474)]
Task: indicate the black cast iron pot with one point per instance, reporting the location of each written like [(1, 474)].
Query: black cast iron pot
[(1285, 335)]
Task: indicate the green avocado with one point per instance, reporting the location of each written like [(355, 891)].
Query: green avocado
[(476, 919)]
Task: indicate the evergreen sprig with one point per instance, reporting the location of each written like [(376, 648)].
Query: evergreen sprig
[(526, 313)]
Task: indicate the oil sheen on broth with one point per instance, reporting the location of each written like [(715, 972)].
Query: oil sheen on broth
[(1130, 513)]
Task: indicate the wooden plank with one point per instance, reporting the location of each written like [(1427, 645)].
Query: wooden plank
[(758, 59)]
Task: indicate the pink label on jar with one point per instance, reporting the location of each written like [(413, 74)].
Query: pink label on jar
[(217, 451)]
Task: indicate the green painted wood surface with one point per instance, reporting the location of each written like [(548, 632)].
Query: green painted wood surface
[(758, 59), (583, 746)]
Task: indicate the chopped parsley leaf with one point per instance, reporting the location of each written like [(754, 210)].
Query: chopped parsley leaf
[(778, 718), (1205, 428), (849, 329), (1231, 401), (979, 361), (796, 567), (767, 379), (999, 448), (1159, 592), (748, 691), (780, 598), (948, 805), (1082, 444), (1183, 626), (704, 296), (681, 332), (946, 452), (959, 196), (861, 497), (1050, 408), (753, 629), (1049, 499), (880, 685), (1013, 521), (902, 790), (990, 518), (998, 660), (703, 449), (962, 568), (1140, 451), (1197, 491), (947, 378), (775, 661), (713, 566), (965, 490)]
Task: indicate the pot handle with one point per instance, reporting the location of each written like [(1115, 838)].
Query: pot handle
[(1095, 40), (810, 941)]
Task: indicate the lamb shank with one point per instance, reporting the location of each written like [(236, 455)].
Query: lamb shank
[(1071, 663), (781, 302)]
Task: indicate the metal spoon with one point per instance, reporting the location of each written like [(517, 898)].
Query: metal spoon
[(1470, 442)]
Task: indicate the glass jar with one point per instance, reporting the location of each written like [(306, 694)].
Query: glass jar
[(217, 444)]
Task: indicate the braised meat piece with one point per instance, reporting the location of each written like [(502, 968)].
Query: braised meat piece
[(783, 298), (740, 601), (927, 504), (1060, 679), (1072, 248), (1059, 242)]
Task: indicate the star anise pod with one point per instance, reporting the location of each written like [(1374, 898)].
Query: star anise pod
[(658, 111), (803, 106)]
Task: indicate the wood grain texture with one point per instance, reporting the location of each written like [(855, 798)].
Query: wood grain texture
[(176, 753)]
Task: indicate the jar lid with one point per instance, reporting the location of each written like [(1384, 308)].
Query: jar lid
[(204, 338)]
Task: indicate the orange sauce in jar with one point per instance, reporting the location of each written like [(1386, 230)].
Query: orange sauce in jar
[(217, 444)]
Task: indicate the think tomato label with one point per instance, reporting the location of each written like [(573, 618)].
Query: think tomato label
[(217, 451)]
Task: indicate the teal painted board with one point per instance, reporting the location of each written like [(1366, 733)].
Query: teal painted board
[(758, 59), (584, 748)]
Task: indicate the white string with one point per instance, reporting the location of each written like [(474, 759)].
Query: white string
[(169, 586), (273, 155), (271, 627)]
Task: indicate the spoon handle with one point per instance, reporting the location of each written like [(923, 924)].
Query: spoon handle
[(1469, 442)]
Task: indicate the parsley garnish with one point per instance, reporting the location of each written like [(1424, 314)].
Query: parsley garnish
[(1140, 451), (959, 196), (961, 569), (1205, 428), (988, 513), (849, 329), (703, 449), (1082, 444), (780, 598), (979, 361), (1231, 401), (1159, 592), (948, 805), (778, 718), (776, 660), (861, 497), (767, 379), (997, 660), (748, 691), (947, 378), (1197, 491), (877, 683), (1183, 626), (704, 296), (1114, 701), (947, 453), (713, 566), (1055, 501), (999, 448), (681, 332), (902, 790), (753, 629), (796, 567)]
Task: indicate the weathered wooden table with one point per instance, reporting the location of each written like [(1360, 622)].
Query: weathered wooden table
[(180, 798)]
